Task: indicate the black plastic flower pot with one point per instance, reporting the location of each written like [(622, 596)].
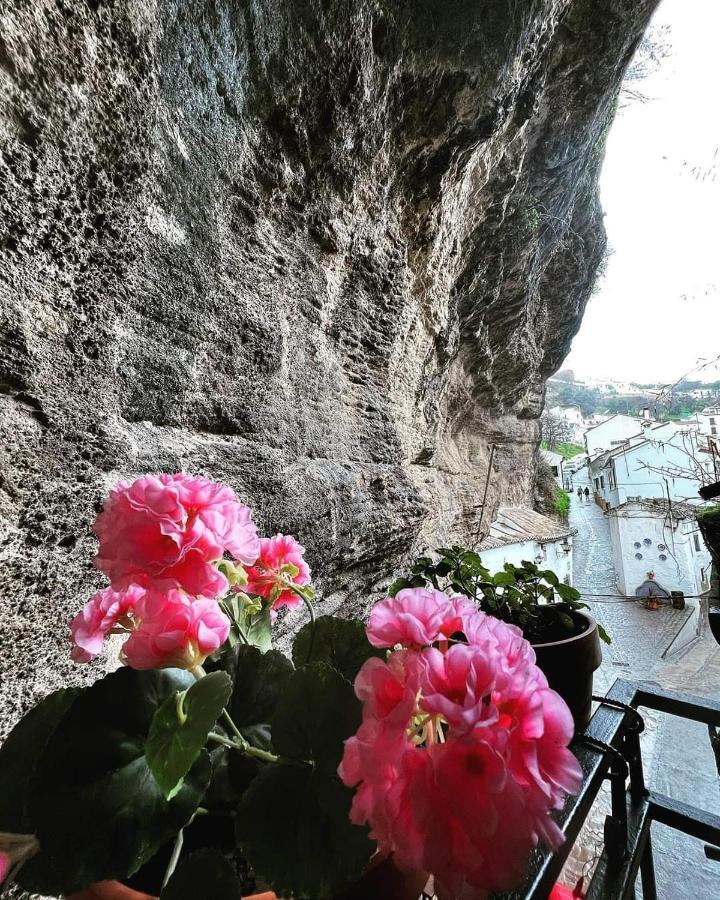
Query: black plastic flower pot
[(710, 528), (710, 491), (569, 665)]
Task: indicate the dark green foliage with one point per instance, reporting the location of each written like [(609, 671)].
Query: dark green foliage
[(292, 822), (317, 711), (533, 599), (20, 753), (94, 803), (341, 643), (293, 826)]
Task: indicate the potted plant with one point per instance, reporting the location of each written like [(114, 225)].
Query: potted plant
[(550, 614), (709, 521), (211, 765)]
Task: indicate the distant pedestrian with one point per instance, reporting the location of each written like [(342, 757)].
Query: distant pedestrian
[(587, 493), (579, 493)]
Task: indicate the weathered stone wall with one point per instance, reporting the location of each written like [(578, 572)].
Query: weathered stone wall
[(325, 250)]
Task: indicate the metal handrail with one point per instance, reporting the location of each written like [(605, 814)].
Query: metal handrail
[(610, 749)]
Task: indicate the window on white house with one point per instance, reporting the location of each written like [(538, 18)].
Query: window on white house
[(713, 429), (611, 479), (555, 471), (712, 420), (696, 539), (602, 482)]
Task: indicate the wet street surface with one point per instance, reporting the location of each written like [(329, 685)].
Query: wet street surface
[(677, 756)]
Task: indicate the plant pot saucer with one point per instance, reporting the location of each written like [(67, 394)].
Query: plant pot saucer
[(381, 881)]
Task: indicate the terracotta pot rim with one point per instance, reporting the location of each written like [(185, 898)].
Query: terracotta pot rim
[(590, 627)]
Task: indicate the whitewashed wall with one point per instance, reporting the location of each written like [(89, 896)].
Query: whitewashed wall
[(644, 471), (553, 557), (682, 570), (604, 436)]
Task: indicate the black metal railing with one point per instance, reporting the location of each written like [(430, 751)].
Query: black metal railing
[(610, 749)]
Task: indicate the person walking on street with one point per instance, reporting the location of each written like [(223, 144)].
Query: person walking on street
[(579, 493), (587, 493)]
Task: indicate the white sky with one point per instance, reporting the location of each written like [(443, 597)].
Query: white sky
[(656, 314)]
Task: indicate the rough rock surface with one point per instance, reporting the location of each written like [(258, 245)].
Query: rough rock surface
[(325, 250)]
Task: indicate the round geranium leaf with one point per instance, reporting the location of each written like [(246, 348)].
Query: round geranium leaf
[(180, 728), (19, 755), (96, 807), (293, 826), (341, 643), (317, 712), (260, 680), (205, 873)]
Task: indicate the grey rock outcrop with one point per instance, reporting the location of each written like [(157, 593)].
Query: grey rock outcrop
[(327, 251)]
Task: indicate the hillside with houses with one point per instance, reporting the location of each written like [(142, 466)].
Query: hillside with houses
[(646, 476)]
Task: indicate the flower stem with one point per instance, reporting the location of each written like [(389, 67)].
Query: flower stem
[(229, 613), (199, 673), (221, 739), (175, 856)]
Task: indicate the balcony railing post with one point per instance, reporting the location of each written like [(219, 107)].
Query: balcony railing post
[(647, 871)]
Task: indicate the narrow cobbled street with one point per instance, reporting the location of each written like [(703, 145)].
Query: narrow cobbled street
[(677, 754)]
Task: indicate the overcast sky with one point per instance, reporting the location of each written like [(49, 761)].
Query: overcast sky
[(656, 313)]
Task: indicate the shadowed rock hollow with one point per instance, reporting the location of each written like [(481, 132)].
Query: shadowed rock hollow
[(327, 251)]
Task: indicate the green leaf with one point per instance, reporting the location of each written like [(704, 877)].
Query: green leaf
[(568, 593), (94, 803), (566, 620), (260, 680), (398, 585), (341, 643), (504, 578), (179, 729), (604, 636), (19, 755), (551, 578), (318, 710), (293, 826), (258, 629), (205, 873)]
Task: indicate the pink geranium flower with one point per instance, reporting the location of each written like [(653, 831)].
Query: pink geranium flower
[(280, 561), (414, 617), (458, 685), (167, 531), (462, 751), (175, 631), (98, 617)]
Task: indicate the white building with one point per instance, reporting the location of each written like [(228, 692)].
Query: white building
[(662, 538), (574, 418), (556, 462), (610, 433), (518, 534), (709, 420), (661, 462)]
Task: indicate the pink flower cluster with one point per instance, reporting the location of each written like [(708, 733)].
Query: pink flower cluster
[(462, 751), (168, 531), (279, 554), (161, 541)]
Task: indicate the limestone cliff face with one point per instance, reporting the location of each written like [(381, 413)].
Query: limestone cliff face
[(327, 251)]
